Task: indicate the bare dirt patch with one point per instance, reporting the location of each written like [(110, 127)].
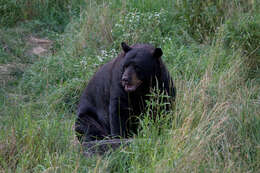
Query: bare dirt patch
[(39, 46), (10, 71), (33, 47)]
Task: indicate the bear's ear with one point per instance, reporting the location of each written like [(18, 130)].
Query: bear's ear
[(157, 53), (125, 47)]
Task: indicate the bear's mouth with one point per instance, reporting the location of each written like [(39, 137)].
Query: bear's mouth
[(128, 87)]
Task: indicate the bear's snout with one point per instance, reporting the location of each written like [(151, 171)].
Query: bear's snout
[(125, 79), (129, 80)]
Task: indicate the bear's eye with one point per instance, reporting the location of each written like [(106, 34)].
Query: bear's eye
[(124, 67), (137, 68)]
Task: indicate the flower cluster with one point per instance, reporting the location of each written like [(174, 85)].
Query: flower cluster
[(84, 62), (106, 55), (134, 23)]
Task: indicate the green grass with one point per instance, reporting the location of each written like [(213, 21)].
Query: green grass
[(211, 49)]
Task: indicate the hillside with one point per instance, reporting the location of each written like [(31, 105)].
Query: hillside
[(50, 49)]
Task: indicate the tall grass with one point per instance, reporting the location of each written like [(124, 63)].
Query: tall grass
[(211, 49), (51, 13)]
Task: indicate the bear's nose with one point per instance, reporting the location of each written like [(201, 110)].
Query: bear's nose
[(125, 79)]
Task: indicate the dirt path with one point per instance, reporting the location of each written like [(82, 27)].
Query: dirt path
[(39, 46), (36, 47)]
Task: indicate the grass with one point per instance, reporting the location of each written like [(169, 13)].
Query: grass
[(211, 49)]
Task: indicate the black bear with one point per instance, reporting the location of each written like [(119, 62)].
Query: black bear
[(118, 90)]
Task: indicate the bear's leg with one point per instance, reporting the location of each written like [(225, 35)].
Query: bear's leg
[(118, 116), (88, 129)]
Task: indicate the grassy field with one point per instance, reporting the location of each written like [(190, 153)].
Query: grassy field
[(50, 49)]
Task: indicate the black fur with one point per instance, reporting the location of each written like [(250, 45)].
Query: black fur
[(105, 108)]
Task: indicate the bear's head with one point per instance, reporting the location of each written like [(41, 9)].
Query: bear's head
[(140, 66)]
